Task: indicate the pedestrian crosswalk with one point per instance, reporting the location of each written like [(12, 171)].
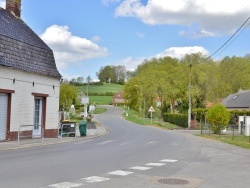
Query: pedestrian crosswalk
[(140, 168), (155, 164), (93, 179), (109, 175), (120, 173)]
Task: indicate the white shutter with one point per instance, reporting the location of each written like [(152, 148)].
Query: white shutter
[(3, 115)]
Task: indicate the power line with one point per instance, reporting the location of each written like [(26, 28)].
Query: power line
[(228, 39), (234, 38)]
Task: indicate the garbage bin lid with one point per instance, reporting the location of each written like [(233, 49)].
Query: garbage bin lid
[(82, 123)]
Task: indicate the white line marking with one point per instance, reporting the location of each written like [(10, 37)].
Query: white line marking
[(155, 164), (120, 173), (66, 185), (82, 142), (168, 160), (93, 179), (152, 142), (125, 143), (105, 142), (140, 168)]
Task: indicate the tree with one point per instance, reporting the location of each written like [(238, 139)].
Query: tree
[(112, 74), (106, 74), (219, 117), (120, 72), (68, 96), (89, 79), (73, 81), (80, 80)]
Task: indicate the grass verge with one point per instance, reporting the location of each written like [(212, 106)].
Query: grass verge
[(237, 140), (133, 116), (99, 110)]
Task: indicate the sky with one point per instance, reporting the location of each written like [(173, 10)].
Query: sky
[(86, 35)]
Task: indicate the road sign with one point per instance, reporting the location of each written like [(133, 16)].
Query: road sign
[(151, 109)]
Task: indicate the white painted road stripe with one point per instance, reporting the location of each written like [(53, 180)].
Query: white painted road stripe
[(120, 173), (93, 179), (140, 168), (168, 160), (82, 142), (66, 185), (152, 142), (125, 143), (155, 164), (105, 142)]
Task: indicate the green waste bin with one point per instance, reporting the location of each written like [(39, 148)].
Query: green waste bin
[(83, 128)]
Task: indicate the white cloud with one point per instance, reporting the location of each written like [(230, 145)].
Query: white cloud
[(129, 62), (197, 34), (3, 3), (175, 52), (68, 48), (215, 17), (180, 52), (95, 39)]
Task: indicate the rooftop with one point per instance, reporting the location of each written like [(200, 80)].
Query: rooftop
[(21, 48)]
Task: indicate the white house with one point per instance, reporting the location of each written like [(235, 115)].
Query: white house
[(29, 79)]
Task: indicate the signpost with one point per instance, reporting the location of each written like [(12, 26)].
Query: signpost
[(151, 109), (85, 101)]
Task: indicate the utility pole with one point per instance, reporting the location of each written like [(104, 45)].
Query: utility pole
[(189, 97)]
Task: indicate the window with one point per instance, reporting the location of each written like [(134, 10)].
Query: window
[(235, 97)]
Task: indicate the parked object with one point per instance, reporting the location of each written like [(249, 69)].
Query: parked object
[(83, 128), (68, 128)]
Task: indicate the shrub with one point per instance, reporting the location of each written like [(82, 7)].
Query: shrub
[(219, 117), (177, 119)]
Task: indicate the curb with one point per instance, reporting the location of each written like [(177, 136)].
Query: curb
[(30, 145)]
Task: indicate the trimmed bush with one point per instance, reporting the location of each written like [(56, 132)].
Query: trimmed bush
[(176, 119), (219, 117)]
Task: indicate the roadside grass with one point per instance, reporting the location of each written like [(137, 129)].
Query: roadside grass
[(99, 110), (100, 100), (237, 140), (134, 116), (78, 118), (100, 89)]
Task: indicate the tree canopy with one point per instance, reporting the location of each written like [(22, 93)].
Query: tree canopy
[(112, 74), (168, 79), (219, 117), (68, 96)]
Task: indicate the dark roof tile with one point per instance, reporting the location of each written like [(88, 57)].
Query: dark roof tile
[(23, 49), (238, 100)]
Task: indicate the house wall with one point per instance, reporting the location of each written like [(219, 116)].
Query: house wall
[(22, 100)]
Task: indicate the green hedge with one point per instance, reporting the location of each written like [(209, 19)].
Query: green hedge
[(176, 119), (101, 94)]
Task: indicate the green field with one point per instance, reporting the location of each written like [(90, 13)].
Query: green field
[(100, 99), (100, 89)]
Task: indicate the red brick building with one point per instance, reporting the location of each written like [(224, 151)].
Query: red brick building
[(118, 99)]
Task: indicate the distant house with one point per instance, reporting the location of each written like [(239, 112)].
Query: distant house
[(29, 79), (238, 101), (118, 98)]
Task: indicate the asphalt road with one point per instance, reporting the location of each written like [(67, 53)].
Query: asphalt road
[(130, 155)]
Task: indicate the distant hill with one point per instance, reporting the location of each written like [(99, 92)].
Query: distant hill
[(100, 89)]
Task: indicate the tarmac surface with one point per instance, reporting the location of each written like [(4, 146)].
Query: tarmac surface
[(36, 142)]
